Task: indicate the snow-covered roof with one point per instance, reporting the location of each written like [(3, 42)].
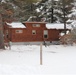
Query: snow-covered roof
[(57, 26), (16, 25)]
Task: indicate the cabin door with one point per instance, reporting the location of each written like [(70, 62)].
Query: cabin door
[(45, 34)]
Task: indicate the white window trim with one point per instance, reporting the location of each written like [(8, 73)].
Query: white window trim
[(45, 34), (33, 31), (19, 31), (36, 25)]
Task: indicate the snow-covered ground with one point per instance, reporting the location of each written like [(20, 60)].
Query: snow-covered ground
[(25, 60)]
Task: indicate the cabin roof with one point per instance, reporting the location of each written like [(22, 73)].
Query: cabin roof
[(57, 26), (16, 25), (48, 25)]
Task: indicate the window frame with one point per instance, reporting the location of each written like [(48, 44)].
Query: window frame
[(33, 32), (45, 33), (36, 25), (19, 31)]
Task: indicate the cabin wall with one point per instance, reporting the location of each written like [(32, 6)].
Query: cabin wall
[(27, 36)]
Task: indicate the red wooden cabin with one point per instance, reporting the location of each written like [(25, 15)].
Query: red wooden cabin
[(31, 32)]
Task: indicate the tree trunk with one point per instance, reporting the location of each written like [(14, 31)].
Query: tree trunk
[(64, 16), (64, 24), (1, 34), (52, 16), (52, 12)]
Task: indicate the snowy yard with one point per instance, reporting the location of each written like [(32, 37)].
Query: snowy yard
[(25, 60)]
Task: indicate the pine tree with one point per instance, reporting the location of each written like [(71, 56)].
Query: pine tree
[(66, 9), (24, 9), (72, 16), (49, 9), (53, 9)]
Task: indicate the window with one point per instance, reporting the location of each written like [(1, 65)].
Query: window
[(33, 32), (36, 25), (19, 31), (45, 33)]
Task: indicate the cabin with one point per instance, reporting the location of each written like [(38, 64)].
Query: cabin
[(32, 32)]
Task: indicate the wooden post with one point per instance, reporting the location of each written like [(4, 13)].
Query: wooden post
[(41, 54), (10, 43)]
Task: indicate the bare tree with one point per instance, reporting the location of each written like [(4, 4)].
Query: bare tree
[(3, 15)]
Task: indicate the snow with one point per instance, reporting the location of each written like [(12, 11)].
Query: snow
[(72, 14), (57, 26), (37, 10), (74, 23), (25, 60), (3, 1), (16, 25), (69, 20)]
